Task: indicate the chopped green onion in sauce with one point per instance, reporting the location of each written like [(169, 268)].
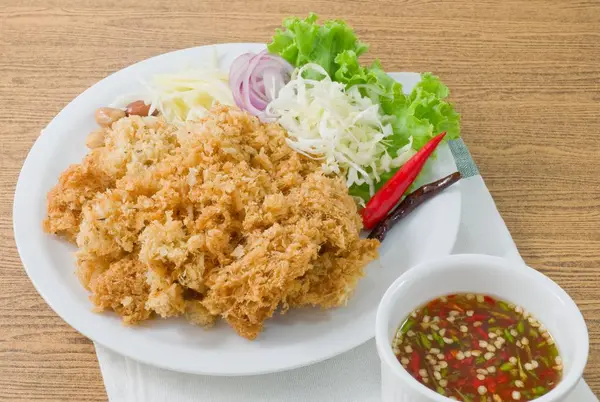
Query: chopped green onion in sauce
[(476, 348)]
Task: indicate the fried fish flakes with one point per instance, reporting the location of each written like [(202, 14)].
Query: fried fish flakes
[(219, 219)]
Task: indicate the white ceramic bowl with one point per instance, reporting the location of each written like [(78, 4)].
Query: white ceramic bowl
[(495, 276)]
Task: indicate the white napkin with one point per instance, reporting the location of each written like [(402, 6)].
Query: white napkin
[(351, 377)]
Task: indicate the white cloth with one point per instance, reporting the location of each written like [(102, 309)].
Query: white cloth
[(351, 377)]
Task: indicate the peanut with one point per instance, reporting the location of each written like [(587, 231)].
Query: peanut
[(138, 108), (105, 116)]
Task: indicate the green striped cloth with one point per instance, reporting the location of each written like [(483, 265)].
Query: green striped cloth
[(464, 161)]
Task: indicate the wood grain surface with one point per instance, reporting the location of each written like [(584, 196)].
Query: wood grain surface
[(525, 74)]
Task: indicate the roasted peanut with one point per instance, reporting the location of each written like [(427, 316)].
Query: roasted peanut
[(138, 108), (95, 139), (105, 116)]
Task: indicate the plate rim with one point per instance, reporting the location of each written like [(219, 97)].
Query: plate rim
[(28, 169)]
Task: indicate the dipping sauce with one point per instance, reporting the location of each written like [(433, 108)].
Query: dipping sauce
[(476, 348)]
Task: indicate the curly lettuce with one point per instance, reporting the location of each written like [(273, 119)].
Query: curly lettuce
[(305, 41)]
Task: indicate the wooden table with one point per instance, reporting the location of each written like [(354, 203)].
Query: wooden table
[(524, 74)]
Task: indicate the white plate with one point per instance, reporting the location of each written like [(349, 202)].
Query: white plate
[(299, 338)]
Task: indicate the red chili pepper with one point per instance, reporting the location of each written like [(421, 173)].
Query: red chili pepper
[(415, 362), (392, 191), (476, 317), (450, 357), (489, 300), (482, 332), (433, 303), (491, 385), (503, 378)]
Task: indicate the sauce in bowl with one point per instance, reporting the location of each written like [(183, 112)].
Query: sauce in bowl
[(476, 348)]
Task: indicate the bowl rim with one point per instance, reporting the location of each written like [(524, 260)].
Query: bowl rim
[(425, 269)]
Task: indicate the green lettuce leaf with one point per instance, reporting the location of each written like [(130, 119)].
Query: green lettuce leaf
[(374, 81), (305, 41), (428, 113), (422, 114)]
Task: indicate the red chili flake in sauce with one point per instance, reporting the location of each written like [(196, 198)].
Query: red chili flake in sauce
[(476, 348)]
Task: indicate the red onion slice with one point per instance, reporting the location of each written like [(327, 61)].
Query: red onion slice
[(255, 79)]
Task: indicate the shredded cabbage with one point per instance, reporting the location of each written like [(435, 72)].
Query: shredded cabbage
[(185, 95), (339, 126), (416, 117)]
